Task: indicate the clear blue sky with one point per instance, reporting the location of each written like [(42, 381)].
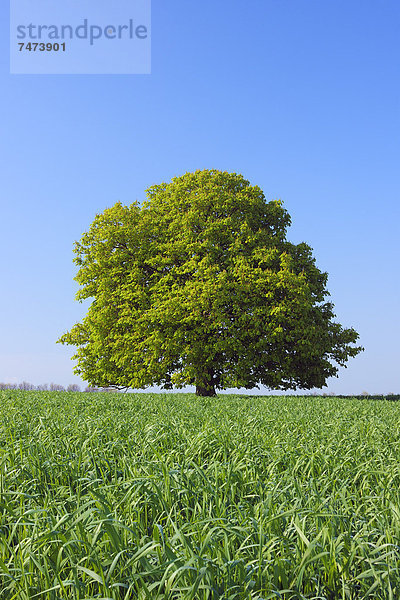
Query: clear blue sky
[(300, 96)]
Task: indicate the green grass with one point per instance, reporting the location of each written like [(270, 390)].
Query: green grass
[(145, 496)]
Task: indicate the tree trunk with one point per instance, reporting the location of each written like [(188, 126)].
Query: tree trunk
[(205, 391), (205, 383)]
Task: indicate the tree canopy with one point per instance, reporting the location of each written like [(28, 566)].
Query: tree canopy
[(199, 286)]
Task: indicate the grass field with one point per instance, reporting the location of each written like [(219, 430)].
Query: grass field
[(145, 496)]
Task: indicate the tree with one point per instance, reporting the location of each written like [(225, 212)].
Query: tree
[(55, 387), (25, 385), (73, 387), (199, 286)]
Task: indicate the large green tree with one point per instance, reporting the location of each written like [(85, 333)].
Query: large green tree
[(199, 286)]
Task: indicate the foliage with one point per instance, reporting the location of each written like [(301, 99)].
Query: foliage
[(139, 496), (200, 286)]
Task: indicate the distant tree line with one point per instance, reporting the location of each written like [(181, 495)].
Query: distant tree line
[(73, 387), (365, 395), (52, 387)]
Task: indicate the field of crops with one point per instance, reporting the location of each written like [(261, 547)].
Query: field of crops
[(145, 496)]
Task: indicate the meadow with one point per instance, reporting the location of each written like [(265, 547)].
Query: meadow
[(171, 496)]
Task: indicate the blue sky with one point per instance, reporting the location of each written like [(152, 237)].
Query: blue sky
[(300, 96)]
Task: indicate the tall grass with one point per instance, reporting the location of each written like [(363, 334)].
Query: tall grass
[(174, 497)]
